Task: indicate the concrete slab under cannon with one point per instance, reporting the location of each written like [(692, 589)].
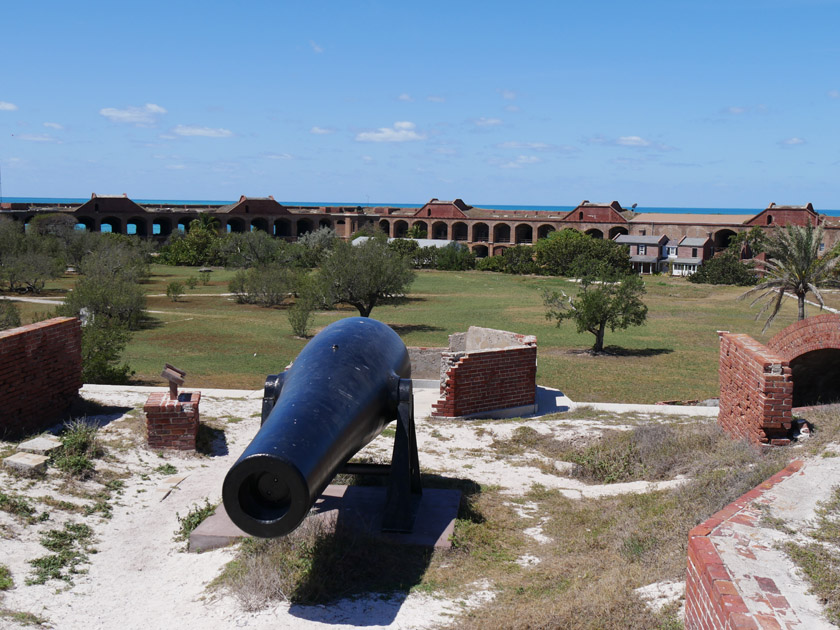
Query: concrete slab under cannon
[(356, 507)]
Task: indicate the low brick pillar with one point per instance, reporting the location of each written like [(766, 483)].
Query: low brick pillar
[(756, 391), (172, 423)]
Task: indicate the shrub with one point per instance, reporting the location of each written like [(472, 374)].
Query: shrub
[(193, 518), (455, 257), (492, 263), (79, 445), (103, 341), (175, 290), (192, 282), (267, 286), (9, 315), (519, 260), (116, 299), (725, 268)]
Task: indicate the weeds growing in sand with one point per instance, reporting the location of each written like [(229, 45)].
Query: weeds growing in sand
[(20, 507), (196, 515), (6, 581), (79, 445), (166, 469), (70, 547)]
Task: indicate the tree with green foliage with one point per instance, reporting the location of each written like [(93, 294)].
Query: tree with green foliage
[(519, 259), (365, 274), (415, 231), (267, 285), (613, 302), (793, 265), (405, 247), (199, 246), (103, 342), (455, 257), (9, 315), (748, 244), (573, 254), (725, 268)]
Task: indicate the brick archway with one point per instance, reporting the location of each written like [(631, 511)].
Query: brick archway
[(760, 384)]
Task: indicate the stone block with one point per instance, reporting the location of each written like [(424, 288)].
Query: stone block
[(41, 445), (27, 462)]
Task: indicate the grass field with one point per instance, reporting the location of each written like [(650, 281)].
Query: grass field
[(673, 357)]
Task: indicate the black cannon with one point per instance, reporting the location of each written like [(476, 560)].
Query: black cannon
[(349, 382)]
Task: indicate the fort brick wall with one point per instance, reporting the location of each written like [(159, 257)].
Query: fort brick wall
[(756, 390), (715, 593), (812, 333), (40, 374), (172, 423), (487, 380)]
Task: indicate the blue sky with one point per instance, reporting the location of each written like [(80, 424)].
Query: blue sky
[(704, 104)]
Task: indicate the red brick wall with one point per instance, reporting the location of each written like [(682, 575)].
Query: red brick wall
[(488, 380), (756, 390), (40, 374), (172, 423), (712, 597)]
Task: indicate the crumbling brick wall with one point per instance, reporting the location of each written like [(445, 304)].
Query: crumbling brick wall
[(477, 377), (756, 390), (172, 423), (40, 374), (812, 333)]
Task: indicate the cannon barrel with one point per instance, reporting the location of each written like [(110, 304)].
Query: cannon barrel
[(339, 394)]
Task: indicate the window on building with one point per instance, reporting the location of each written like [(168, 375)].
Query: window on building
[(672, 251), (694, 252), (642, 250), (822, 247)]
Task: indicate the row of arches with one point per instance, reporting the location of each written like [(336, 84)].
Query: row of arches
[(164, 226), (521, 233)]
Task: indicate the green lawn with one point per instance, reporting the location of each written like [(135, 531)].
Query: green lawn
[(673, 357)]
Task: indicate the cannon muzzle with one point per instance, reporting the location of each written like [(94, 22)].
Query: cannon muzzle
[(349, 382)]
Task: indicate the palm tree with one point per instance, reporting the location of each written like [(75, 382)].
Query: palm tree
[(206, 222), (793, 265)]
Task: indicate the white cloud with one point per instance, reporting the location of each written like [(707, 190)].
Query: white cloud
[(175, 167), (436, 99), (632, 141), (367, 159), (508, 95), (400, 132), (321, 131), (536, 146), (7, 107), (405, 97), (52, 125), (488, 122), (736, 110), (792, 142), (37, 138), (146, 115), (315, 47), (278, 156), (831, 94), (521, 161), (511, 108), (205, 132)]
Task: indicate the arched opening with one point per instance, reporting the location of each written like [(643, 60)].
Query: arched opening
[(85, 223), (400, 229), (816, 377), (183, 224), (136, 226), (498, 251), (481, 233), (161, 227), (769, 219), (460, 231), (501, 234), (110, 224), (544, 230), (594, 233), (580, 216), (304, 226), (722, 238), (385, 226), (480, 251), (325, 223), (235, 226), (282, 228), (420, 229), (617, 231), (440, 231), (524, 233), (259, 224)]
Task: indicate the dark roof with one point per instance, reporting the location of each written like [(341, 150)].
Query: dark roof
[(630, 239), (694, 241)]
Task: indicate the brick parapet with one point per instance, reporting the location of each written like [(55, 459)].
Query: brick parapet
[(488, 380), (716, 598), (40, 374), (172, 423)]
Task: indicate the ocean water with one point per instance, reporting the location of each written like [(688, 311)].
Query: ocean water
[(554, 209)]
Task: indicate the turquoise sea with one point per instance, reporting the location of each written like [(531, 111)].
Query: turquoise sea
[(204, 202)]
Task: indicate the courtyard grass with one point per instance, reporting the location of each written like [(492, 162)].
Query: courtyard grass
[(673, 357)]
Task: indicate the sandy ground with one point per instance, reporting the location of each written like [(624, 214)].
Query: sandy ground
[(141, 578)]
